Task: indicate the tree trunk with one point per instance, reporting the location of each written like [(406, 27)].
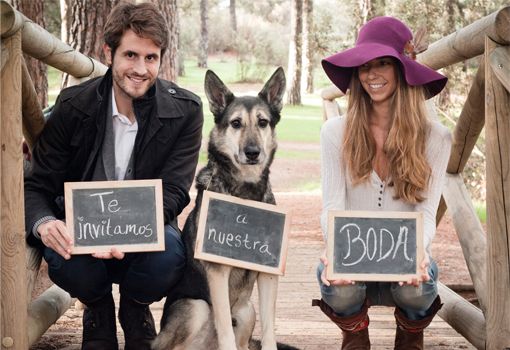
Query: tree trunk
[(34, 10), (362, 11), (204, 41), (233, 18), (378, 8), (365, 10), (65, 20), (295, 52), (83, 16), (169, 64), (308, 47)]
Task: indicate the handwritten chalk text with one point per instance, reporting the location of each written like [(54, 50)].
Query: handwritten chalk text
[(238, 241)]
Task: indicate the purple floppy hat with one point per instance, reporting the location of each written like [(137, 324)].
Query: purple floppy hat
[(382, 36)]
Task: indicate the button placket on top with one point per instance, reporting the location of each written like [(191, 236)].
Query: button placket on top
[(379, 186)]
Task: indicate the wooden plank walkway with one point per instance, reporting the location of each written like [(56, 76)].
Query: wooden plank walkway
[(297, 322)]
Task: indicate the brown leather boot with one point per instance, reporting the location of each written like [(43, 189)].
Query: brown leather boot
[(354, 328), (99, 328), (409, 334), (138, 324)]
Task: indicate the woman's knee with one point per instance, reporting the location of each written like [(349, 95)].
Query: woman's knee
[(345, 300), (417, 299)]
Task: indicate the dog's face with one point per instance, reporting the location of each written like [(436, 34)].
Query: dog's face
[(244, 126)]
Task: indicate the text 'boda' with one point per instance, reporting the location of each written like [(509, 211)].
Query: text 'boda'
[(372, 245)]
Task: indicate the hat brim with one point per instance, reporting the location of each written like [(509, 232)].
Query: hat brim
[(340, 67)]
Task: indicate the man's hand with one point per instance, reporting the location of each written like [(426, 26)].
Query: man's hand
[(54, 235), (113, 253)]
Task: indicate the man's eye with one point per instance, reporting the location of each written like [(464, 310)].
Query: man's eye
[(236, 123), (263, 123)]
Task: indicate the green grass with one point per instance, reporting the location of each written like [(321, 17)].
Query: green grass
[(226, 70), (298, 155), (481, 211)]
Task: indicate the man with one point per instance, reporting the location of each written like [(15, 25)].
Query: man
[(127, 124)]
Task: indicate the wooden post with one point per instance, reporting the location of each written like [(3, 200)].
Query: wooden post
[(329, 105), (45, 311), (33, 119), (467, 130), (497, 116), (470, 124), (14, 300), (468, 42), (463, 316), (499, 59), (470, 233)]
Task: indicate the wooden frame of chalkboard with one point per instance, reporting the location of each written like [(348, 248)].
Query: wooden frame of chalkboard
[(105, 214), (236, 240), (365, 253)]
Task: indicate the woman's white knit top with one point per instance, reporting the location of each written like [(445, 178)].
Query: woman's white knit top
[(338, 193)]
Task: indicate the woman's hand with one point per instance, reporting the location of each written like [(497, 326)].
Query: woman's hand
[(339, 282), (423, 273)]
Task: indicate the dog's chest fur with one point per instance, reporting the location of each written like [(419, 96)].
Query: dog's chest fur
[(223, 179)]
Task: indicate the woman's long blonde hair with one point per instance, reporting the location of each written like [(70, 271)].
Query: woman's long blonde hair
[(404, 147)]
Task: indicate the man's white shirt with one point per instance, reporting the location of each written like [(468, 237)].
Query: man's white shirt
[(124, 136)]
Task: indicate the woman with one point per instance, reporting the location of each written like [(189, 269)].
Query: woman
[(384, 155)]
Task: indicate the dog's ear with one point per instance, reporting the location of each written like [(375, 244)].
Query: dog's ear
[(274, 89), (217, 93)]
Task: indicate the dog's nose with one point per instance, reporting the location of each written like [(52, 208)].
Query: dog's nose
[(252, 152)]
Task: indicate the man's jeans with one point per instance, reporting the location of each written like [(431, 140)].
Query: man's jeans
[(145, 277), (347, 300)]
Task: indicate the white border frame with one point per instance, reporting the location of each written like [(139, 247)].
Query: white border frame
[(199, 254), (332, 214), (140, 247)]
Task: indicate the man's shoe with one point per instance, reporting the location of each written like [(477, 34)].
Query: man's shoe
[(138, 324), (99, 329)]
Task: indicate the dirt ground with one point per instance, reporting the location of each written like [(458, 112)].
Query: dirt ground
[(304, 208)]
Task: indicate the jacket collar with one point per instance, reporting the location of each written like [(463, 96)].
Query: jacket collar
[(166, 95)]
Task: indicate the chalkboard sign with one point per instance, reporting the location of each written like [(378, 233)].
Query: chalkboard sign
[(242, 233), (127, 215), (374, 246)]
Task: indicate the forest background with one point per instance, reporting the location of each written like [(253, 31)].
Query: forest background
[(245, 40)]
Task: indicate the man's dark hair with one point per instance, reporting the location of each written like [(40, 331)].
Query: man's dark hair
[(144, 19)]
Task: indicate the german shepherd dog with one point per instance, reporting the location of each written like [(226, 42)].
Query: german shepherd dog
[(211, 308)]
